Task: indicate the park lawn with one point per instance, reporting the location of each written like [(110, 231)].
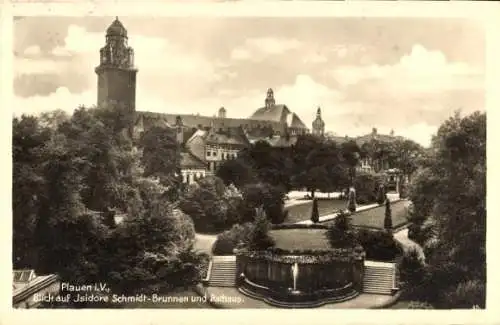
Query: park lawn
[(299, 239), (302, 212), (374, 218)]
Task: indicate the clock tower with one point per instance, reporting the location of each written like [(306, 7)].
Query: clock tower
[(116, 73)]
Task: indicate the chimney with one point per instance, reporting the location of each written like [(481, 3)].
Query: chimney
[(392, 132), (374, 131)]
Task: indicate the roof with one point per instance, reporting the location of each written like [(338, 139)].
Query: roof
[(376, 136), (276, 113), (297, 122), (24, 275), (201, 121), (188, 160), (232, 136), (116, 29)]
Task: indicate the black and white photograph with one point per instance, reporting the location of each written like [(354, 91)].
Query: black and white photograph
[(255, 162)]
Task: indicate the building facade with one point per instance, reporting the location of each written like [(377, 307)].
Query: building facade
[(206, 141)]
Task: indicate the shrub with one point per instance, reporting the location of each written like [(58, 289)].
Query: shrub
[(259, 238), (403, 190), (411, 268), (271, 198), (315, 212), (340, 234), (212, 206), (388, 215), (366, 186), (378, 245), (467, 294), (230, 239), (381, 197), (351, 206)]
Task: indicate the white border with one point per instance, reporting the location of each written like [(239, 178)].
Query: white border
[(486, 12)]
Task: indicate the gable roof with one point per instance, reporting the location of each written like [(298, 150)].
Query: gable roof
[(188, 160)]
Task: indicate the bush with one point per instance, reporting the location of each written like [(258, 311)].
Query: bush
[(403, 190), (351, 206), (212, 206), (378, 245), (340, 234), (259, 238), (271, 198), (381, 197), (315, 212), (388, 215), (230, 239), (366, 187), (468, 294), (411, 268)]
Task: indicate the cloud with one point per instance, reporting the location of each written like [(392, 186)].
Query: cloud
[(256, 48), (421, 70)]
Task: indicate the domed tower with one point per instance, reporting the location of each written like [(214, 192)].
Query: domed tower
[(270, 102), (116, 73), (318, 125), (222, 112)]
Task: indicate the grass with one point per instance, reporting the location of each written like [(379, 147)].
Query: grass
[(302, 211), (294, 239), (374, 218)]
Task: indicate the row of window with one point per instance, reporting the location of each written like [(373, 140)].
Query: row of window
[(224, 155)]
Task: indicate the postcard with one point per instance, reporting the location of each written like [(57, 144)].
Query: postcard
[(217, 156)]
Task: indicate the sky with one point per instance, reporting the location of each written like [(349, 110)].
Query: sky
[(401, 74)]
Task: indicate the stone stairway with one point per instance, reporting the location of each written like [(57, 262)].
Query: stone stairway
[(379, 278), (223, 271)]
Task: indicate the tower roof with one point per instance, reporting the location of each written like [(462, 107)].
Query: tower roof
[(116, 29)]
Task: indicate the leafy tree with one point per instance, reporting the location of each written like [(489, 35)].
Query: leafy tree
[(209, 207), (457, 169), (388, 215), (314, 211), (161, 156), (237, 172), (264, 195), (407, 154), (351, 154), (271, 165)]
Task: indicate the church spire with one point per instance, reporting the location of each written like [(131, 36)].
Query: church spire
[(318, 125), (270, 102)]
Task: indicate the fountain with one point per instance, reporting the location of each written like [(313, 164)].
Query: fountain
[(295, 274)]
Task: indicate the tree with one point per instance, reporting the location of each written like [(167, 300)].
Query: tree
[(209, 206), (351, 154), (314, 211), (161, 156), (388, 215), (407, 154), (270, 164), (270, 198), (259, 238), (456, 167), (237, 172)]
